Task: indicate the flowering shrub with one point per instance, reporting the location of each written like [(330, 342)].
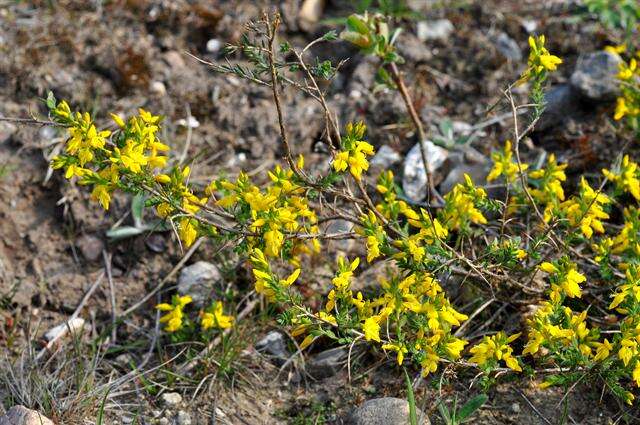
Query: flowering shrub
[(410, 315)]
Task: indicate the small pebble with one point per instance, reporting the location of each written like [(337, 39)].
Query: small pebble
[(183, 418), (213, 45), (515, 408), (172, 399)]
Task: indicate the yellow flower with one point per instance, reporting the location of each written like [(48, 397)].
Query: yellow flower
[(626, 178), (495, 348), (602, 350), (371, 329), (175, 315), (215, 318), (400, 349), (187, 231), (504, 165)]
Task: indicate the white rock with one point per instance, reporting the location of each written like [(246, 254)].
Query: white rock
[(189, 122), (311, 11), (183, 418), (434, 30), (20, 415), (385, 157), (414, 179), (595, 75), (385, 411), (197, 280), (214, 45), (172, 399), (158, 88), (59, 331)]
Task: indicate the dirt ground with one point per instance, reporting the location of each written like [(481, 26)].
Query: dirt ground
[(120, 55)]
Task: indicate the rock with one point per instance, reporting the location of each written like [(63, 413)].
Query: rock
[(529, 25), (190, 122), (595, 75), (327, 363), (214, 45), (384, 411), (310, 13), (508, 47), (7, 130), (274, 346), (561, 101), (434, 30), (47, 133), (414, 179), (175, 60), (198, 280), (477, 172), (57, 332), (341, 226), (171, 399), (158, 88), (90, 247), (156, 243), (385, 157), (515, 408), (20, 415), (413, 49), (183, 418)]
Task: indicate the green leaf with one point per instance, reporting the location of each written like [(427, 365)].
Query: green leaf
[(444, 412), (413, 416), (354, 23), (51, 100), (330, 36), (471, 406), (137, 207)]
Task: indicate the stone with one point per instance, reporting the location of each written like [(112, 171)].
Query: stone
[(175, 60), (273, 345), (57, 332), (7, 130), (413, 49), (158, 88), (197, 280), (595, 76), (414, 178), (515, 408), (384, 411), (20, 415), (172, 399), (508, 47), (91, 247), (385, 157), (438, 29), (183, 418), (214, 45), (310, 13), (341, 226), (327, 363), (561, 102)]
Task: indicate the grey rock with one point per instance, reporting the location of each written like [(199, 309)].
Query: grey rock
[(561, 101), (90, 247), (273, 345), (214, 45), (508, 47), (438, 29), (198, 280), (384, 411), (595, 76), (341, 226), (327, 363), (385, 157), (7, 130), (413, 49), (414, 179), (20, 415), (183, 418), (477, 172), (46, 132), (171, 399)]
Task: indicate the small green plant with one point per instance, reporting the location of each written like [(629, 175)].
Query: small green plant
[(623, 14), (455, 416)]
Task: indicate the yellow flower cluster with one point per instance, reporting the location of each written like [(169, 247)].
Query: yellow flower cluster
[(460, 206), (547, 184), (505, 165), (354, 152), (540, 60), (628, 103), (174, 317), (493, 349), (272, 213), (586, 210), (625, 177)]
